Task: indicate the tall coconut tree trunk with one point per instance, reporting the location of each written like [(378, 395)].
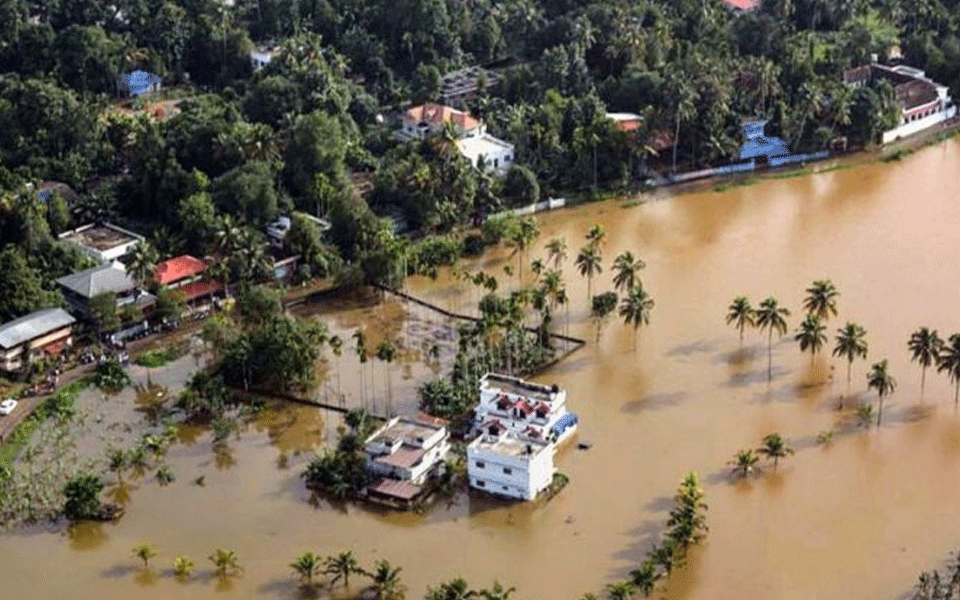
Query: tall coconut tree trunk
[(880, 410), (770, 356), (923, 379)]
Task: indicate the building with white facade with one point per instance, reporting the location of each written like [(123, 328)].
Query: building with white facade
[(102, 241), (260, 58), (495, 153), (923, 103), (524, 407), (403, 454), (504, 463)]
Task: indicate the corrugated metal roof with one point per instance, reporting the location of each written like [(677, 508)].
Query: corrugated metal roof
[(98, 280), (32, 326)]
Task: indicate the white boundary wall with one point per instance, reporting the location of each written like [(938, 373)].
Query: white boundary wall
[(919, 125)]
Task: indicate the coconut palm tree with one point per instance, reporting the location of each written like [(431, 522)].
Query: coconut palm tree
[(664, 554), (588, 264), (924, 346), (774, 447), (744, 462), (770, 316), (597, 236), (635, 309), (879, 379), (227, 236), (821, 300), (145, 552), (622, 590), (741, 314), (603, 305), (361, 349), (626, 269), (142, 264), (307, 566), (336, 345), (387, 353), (645, 578), (224, 562), (386, 582), (456, 589), (811, 335), (497, 592), (520, 238), (342, 566), (850, 344), (949, 361), (557, 253), (182, 566), (536, 267)]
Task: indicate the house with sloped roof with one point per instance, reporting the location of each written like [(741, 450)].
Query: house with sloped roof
[(42, 333), (80, 288), (923, 102), (426, 120), (402, 455), (185, 273)]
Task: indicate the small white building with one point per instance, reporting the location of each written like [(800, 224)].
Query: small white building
[(496, 153), (260, 58), (524, 407), (504, 463), (104, 242), (403, 454)]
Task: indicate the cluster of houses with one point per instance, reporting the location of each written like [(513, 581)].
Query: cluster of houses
[(518, 426)]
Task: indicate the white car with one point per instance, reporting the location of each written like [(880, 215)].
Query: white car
[(7, 406)]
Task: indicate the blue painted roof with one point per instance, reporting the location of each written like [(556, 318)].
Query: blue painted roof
[(565, 421), (758, 145), (140, 81)]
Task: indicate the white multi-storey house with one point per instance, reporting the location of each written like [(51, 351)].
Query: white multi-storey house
[(504, 463), (402, 454), (531, 409)]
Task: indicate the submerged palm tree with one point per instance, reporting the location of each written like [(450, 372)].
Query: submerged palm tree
[(949, 361), (307, 566), (741, 314), (456, 589), (924, 348), (342, 566), (811, 335), (821, 300), (744, 462), (224, 561), (645, 578), (770, 316), (879, 379), (588, 263), (497, 592), (386, 582), (850, 344), (635, 309), (627, 270), (622, 590), (145, 552), (774, 447), (596, 236), (557, 253)]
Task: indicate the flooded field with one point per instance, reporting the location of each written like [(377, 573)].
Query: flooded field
[(857, 518)]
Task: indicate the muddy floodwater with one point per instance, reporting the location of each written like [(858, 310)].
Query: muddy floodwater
[(857, 518)]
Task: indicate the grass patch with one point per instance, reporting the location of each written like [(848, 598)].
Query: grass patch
[(60, 405), (157, 358), (789, 174), (898, 155), (834, 168), (632, 203)]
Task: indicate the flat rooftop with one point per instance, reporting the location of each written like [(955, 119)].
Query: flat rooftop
[(516, 386), (99, 237), (508, 444), (406, 428)]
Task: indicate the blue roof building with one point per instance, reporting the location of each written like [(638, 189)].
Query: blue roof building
[(140, 82)]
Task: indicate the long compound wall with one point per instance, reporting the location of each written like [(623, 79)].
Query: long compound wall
[(919, 125)]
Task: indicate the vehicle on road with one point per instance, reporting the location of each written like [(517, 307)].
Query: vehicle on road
[(7, 406)]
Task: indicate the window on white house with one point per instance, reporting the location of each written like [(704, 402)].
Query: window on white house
[(480, 464), (481, 483), (507, 470)]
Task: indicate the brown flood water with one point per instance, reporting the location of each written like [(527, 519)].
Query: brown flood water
[(856, 519)]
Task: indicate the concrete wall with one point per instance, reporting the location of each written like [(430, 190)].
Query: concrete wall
[(528, 476), (918, 125)]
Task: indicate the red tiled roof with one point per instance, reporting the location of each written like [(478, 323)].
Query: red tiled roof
[(437, 113), (742, 4), (179, 268), (524, 407), (197, 289)]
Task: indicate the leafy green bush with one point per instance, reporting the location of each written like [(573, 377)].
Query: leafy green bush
[(110, 376), (156, 358), (82, 492)]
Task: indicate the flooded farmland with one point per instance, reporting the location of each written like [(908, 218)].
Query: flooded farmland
[(856, 518)]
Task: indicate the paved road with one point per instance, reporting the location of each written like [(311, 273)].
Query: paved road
[(25, 406)]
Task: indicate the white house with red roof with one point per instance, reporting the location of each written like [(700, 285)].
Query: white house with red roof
[(185, 273), (426, 120), (531, 409)]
